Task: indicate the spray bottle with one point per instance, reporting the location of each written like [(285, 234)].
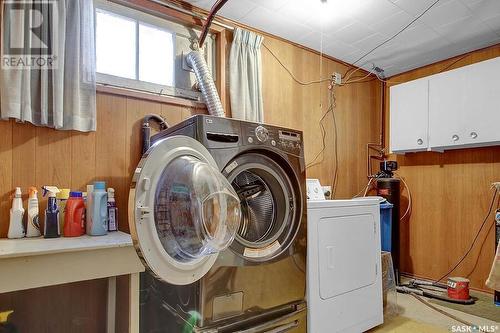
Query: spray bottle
[(51, 229), (33, 225), (62, 197), (16, 228)]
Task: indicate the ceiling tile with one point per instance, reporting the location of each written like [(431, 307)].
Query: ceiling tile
[(413, 7), (392, 24), (445, 13), (353, 33), (487, 9), (373, 11), (370, 42), (270, 4), (237, 9)]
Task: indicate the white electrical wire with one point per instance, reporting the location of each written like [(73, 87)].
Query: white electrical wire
[(408, 209)]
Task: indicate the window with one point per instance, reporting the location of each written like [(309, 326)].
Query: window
[(140, 51)]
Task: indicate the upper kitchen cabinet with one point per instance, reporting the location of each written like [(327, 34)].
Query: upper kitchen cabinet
[(460, 109), (409, 116)]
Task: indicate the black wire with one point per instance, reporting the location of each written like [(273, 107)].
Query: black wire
[(323, 131), (336, 145), (398, 33), (475, 238)]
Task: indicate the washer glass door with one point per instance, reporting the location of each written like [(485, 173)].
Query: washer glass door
[(183, 211)]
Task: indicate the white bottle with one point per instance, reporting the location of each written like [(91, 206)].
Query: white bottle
[(33, 225), (16, 228)]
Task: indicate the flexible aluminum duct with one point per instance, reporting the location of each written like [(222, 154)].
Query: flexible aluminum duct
[(206, 83)]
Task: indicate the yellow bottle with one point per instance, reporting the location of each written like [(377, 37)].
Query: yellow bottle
[(62, 197)]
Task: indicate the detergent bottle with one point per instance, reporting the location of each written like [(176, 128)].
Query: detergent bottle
[(33, 224), (16, 227), (112, 211), (62, 198), (51, 228), (88, 208), (99, 211), (74, 220)]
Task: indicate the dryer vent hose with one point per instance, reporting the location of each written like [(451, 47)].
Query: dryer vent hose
[(206, 83)]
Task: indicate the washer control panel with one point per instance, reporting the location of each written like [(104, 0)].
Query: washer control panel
[(286, 140)]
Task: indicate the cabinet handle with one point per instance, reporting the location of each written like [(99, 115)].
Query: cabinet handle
[(455, 137), (420, 142), (473, 135)]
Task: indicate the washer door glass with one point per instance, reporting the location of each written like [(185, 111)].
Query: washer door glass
[(185, 211), (196, 211)]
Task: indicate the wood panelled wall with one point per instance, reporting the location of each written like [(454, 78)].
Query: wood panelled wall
[(451, 195), (289, 104)]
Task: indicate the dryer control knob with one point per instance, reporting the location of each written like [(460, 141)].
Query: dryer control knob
[(261, 133)]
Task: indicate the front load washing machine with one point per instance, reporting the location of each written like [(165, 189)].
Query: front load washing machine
[(218, 215)]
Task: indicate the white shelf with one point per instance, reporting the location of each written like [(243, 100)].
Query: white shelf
[(10, 248), (37, 262)]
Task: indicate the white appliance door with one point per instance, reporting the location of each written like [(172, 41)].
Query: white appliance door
[(182, 210), (347, 260)]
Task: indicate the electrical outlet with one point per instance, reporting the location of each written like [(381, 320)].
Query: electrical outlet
[(337, 78)]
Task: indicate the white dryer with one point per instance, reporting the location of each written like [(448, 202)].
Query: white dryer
[(344, 284)]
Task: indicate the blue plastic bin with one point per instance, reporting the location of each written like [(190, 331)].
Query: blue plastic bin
[(386, 225)]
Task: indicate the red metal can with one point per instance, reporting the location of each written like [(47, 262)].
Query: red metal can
[(458, 288)]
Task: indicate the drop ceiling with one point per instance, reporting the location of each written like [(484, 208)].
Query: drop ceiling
[(348, 29)]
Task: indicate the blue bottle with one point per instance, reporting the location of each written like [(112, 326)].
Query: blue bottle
[(99, 211), (51, 228)]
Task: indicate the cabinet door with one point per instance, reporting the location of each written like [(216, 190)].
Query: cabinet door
[(409, 116), (447, 110), (483, 103)]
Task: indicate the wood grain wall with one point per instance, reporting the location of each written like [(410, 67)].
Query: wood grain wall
[(451, 195)]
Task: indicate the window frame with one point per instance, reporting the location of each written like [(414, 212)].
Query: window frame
[(177, 29)]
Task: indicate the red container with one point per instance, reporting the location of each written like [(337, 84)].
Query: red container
[(458, 288), (74, 215)]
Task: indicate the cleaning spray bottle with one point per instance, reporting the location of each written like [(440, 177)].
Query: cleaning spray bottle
[(33, 225), (16, 227), (62, 197), (51, 229)]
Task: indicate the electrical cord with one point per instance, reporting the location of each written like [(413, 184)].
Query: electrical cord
[(408, 209), (303, 83), (474, 240), (333, 102)]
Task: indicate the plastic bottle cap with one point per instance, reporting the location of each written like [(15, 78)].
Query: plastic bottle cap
[(75, 194), (18, 193), (99, 185), (32, 191), (111, 192), (63, 194)]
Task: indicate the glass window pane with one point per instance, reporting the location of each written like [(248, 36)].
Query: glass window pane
[(156, 55), (115, 45)]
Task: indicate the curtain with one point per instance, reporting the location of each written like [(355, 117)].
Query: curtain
[(59, 92), (245, 76)]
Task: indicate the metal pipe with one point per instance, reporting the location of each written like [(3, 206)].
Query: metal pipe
[(206, 83)]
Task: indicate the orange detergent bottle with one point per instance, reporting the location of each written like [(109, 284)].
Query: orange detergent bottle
[(74, 215)]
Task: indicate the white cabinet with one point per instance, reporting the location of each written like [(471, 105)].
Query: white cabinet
[(482, 119), (459, 109), (409, 116), (447, 110)]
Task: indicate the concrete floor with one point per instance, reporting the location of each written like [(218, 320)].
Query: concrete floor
[(411, 313)]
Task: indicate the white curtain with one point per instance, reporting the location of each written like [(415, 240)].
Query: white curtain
[(61, 96), (245, 76)]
